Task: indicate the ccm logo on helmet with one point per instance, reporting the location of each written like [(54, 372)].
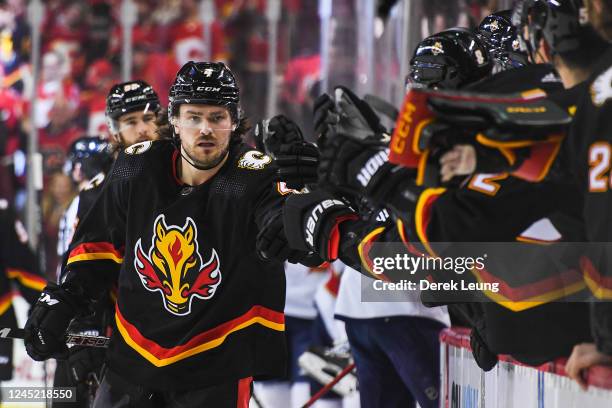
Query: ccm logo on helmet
[(208, 89), (314, 217)]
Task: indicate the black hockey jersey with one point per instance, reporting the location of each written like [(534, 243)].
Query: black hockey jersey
[(99, 322), (18, 269), (17, 261), (195, 304), (589, 156), (498, 207)]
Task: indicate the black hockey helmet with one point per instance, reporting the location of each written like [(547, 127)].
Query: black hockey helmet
[(209, 83), (129, 97), (497, 31), (450, 59), (502, 40), (560, 22), (94, 153)]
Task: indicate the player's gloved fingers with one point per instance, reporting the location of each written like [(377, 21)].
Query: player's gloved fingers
[(325, 118), (485, 359), (283, 132), (299, 184), (286, 160), (321, 118), (322, 102), (259, 137)]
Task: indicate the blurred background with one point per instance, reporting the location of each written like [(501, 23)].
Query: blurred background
[(58, 59)]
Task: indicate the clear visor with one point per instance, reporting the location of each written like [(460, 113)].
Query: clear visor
[(205, 124)]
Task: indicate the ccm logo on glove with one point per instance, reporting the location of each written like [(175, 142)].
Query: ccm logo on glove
[(314, 217)]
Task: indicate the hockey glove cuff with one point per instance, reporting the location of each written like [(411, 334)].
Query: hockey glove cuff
[(311, 222)]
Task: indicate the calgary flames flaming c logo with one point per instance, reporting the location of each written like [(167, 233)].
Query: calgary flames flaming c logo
[(174, 266)]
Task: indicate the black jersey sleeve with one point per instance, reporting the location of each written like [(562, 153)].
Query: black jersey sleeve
[(96, 252), (19, 261)]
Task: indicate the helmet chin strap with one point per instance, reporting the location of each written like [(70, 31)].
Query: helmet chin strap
[(191, 161)]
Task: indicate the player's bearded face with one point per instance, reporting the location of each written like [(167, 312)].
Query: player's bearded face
[(136, 127), (205, 132)]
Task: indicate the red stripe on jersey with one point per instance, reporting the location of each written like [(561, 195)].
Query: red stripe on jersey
[(95, 250), (27, 279), (536, 289), (244, 392), (162, 356)]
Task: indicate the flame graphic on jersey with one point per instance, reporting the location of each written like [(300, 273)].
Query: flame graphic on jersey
[(174, 266)]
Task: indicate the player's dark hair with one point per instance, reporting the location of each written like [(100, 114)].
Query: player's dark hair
[(592, 46)]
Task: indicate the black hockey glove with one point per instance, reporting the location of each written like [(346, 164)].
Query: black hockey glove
[(296, 159), (273, 133), (345, 113), (312, 220), (272, 244), (353, 147), (46, 326), (325, 116), (297, 164), (85, 361), (484, 357), (347, 166), (394, 187)]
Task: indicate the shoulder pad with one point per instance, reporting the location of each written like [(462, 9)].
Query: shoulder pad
[(96, 181), (253, 160), (601, 89), (138, 148), (133, 160)]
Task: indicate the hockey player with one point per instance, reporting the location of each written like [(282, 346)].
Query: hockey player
[(198, 313), (132, 112), (18, 265), (89, 160), (450, 59), (501, 37), (132, 109), (587, 150)]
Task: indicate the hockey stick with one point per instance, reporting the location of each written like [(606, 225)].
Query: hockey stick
[(329, 386), (71, 338)]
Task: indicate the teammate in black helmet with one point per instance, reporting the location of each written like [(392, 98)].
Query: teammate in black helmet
[(502, 40), (450, 59), (134, 115), (132, 109), (178, 227), (89, 160), (88, 156), (567, 34)]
